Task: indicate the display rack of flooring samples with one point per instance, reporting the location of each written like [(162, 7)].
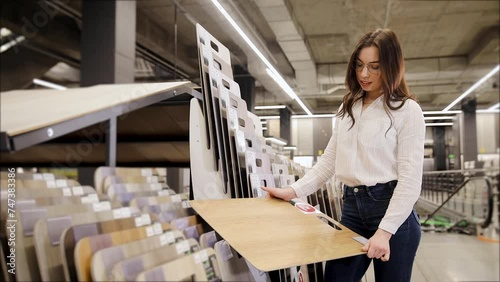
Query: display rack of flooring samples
[(233, 159)]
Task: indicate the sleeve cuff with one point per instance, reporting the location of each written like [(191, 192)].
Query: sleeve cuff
[(388, 226), (300, 193)]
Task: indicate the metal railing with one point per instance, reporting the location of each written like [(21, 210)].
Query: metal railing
[(468, 193)]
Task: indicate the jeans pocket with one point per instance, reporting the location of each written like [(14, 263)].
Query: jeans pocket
[(415, 216), (380, 193)]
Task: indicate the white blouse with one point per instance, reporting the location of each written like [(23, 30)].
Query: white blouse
[(372, 152)]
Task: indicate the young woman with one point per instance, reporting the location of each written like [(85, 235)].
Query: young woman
[(376, 151)]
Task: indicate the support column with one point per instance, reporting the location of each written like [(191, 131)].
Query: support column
[(286, 125), (108, 42), (439, 148), (469, 134), (247, 86), (107, 54)]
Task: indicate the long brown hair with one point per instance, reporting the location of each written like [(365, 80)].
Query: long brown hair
[(392, 70)]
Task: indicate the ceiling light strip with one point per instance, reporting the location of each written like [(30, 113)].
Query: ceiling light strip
[(494, 107), (440, 124), (48, 84), (438, 118), (269, 107), (278, 77), (441, 112), (473, 87)]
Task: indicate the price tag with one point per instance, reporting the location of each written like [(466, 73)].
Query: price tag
[(197, 258), (61, 183), (152, 179), (146, 219), (240, 141), (157, 228), (102, 206), (126, 212), (182, 247), (37, 176), (163, 240), (224, 96), (169, 237), (51, 184), (150, 231), (163, 193), (176, 198), (146, 172), (203, 255), (78, 191), (66, 192), (156, 187), (48, 176), (233, 118), (138, 221), (90, 199), (186, 204)]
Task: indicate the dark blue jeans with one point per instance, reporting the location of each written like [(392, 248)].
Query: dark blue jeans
[(363, 209)]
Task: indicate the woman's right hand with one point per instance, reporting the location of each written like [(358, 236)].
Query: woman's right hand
[(282, 193)]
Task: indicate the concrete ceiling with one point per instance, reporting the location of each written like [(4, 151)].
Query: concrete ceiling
[(448, 45)]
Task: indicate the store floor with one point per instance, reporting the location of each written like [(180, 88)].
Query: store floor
[(444, 257)]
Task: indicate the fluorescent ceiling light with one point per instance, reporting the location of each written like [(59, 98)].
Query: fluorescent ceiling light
[(333, 89), (48, 84), (269, 117), (276, 140), (291, 148), (4, 32), (441, 112), (494, 107), (473, 87), (11, 43), (440, 124), (315, 116), (285, 86), (488, 111), (269, 107), (264, 128), (438, 118), (263, 122)]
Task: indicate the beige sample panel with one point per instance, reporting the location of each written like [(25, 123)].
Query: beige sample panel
[(272, 234)]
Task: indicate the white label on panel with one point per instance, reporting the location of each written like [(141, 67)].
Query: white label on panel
[(203, 255), (240, 141), (176, 198), (163, 240), (78, 191), (149, 231), (117, 213), (126, 212), (37, 176), (255, 184), (197, 258), (146, 219), (48, 176), (169, 237), (186, 204), (163, 193), (102, 206), (146, 172), (51, 184), (224, 96), (157, 228), (233, 119), (61, 183), (182, 247), (156, 186), (66, 192), (138, 221)]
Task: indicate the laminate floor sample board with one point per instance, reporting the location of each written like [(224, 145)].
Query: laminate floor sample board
[(104, 260), (272, 234), (72, 235), (47, 239), (127, 270), (200, 266), (34, 109), (88, 246)]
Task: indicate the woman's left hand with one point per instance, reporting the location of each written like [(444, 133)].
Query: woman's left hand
[(378, 245)]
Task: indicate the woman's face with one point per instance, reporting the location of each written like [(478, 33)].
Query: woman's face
[(367, 69)]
